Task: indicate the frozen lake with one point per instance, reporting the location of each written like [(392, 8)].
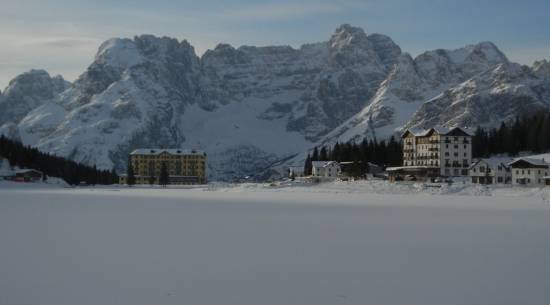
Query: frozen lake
[(139, 246)]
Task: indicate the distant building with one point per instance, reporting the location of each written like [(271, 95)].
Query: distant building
[(184, 166), (490, 171), (296, 171), (529, 171), (373, 169), (359, 169), (325, 169), (437, 151), (24, 175)]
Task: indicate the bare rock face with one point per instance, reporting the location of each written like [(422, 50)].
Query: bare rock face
[(252, 108)]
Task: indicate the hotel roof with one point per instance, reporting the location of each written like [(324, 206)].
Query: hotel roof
[(172, 151), (420, 132)]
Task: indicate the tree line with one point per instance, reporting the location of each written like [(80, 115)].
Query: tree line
[(381, 153), (528, 133), (72, 172)]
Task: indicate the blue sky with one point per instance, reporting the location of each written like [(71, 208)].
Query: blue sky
[(62, 36)]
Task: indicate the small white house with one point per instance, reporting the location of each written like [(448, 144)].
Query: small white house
[(325, 169), (491, 171), (529, 171)]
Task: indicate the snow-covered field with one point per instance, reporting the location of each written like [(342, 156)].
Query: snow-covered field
[(354, 243)]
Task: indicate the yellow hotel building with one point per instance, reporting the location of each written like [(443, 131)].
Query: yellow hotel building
[(184, 166)]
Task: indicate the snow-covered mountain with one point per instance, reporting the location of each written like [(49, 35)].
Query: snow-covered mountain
[(25, 93), (411, 83), (252, 108)]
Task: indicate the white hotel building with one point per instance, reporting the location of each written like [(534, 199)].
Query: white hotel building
[(437, 151)]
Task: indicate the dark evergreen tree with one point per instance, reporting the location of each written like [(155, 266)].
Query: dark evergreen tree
[(323, 154), (315, 155), (163, 177), (308, 166), (130, 176)]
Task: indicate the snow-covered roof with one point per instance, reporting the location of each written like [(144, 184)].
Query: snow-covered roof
[(172, 151), (532, 161), (442, 130), (318, 164), (391, 169), (492, 162), (26, 170)]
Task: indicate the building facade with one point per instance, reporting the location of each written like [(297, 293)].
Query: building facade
[(490, 171), (183, 166), (326, 169), (448, 151), (530, 172)]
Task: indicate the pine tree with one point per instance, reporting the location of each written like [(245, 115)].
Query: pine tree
[(308, 166), (130, 178), (163, 178), (323, 154), (315, 155)]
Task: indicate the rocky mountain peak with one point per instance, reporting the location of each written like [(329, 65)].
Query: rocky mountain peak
[(166, 49), (542, 68), (28, 91), (347, 35), (386, 49), (119, 53), (486, 51)]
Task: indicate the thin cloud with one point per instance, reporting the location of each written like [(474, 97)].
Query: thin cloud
[(274, 12), (63, 42)]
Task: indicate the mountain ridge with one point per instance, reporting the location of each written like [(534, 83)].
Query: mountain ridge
[(251, 107)]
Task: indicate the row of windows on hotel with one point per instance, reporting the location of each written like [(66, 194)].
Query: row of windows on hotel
[(447, 163), (428, 146), (435, 155), (435, 141)]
